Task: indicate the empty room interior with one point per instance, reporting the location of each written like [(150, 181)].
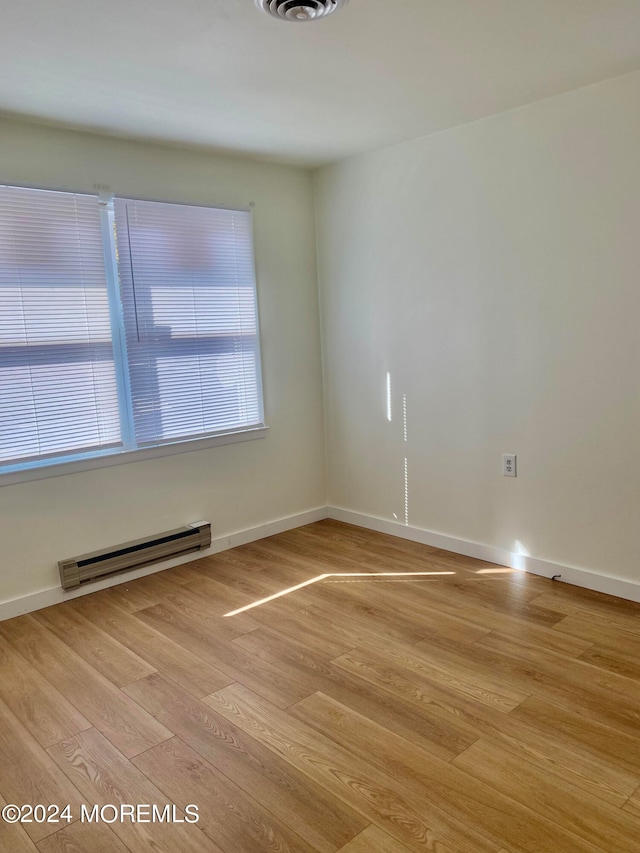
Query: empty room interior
[(319, 426)]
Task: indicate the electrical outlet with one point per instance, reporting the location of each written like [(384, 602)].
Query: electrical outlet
[(509, 462)]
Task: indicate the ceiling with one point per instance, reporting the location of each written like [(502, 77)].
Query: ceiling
[(220, 74)]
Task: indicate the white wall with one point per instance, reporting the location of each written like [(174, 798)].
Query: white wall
[(235, 486), (493, 271)]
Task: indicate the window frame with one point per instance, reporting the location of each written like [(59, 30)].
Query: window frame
[(130, 450)]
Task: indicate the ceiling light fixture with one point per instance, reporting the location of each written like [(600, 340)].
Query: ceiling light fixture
[(300, 10)]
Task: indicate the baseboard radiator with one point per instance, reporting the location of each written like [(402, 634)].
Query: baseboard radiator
[(77, 571)]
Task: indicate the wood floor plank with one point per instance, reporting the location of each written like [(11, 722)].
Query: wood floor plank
[(126, 725), (250, 576), (134, 595), (428, 670), (274, 684), (609, 697), (238, 559), (444, 735), (40, 708), (625, 663), (330, 530), (13, 838), (339, 597), (447, 598), (387, 552), (495, 812), (584, 815), (364, 541), (599, 632), (195, 605), (373, 840), (544, 638), (220, 597), (351, 623), (231, 818), (374, 550), (166, 657), (224, 598), (302, 626), (106, 777), (494, 593), (105, 654), (184, 574), (413, 598), (309, 669), (632, 806), (430, 698), (82, 837), (297, 551), (29, 776), (349, 626), (273, 636), (443, 738), (513, 607), (320, 819), (556, 677), (594, 598), (341, 557), (555, 756), (622, 749), (394, 809), (573, 601), (594, 770)]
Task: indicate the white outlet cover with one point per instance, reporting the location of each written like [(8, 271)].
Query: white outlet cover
[(509, 465)]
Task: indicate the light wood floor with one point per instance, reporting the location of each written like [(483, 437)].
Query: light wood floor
[(461, 710)]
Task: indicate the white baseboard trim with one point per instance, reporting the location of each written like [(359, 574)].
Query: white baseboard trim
[(568, 574), (56, 595)]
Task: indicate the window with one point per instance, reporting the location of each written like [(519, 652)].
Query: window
[(124, 325)]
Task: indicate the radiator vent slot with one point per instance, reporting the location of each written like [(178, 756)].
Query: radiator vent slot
[(77, 571)]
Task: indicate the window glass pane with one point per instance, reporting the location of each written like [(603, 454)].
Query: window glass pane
[(188, 291), (57, 378)]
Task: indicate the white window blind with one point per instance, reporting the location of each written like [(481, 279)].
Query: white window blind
[(58, 392), (124, 325), (187, 285)]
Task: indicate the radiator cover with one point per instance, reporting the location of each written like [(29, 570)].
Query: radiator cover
[(77, 571)]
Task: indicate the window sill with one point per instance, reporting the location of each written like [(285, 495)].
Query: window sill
[(120, 458)]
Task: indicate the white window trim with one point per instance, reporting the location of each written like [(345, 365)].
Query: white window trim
[(43, 469), (118, 338)]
